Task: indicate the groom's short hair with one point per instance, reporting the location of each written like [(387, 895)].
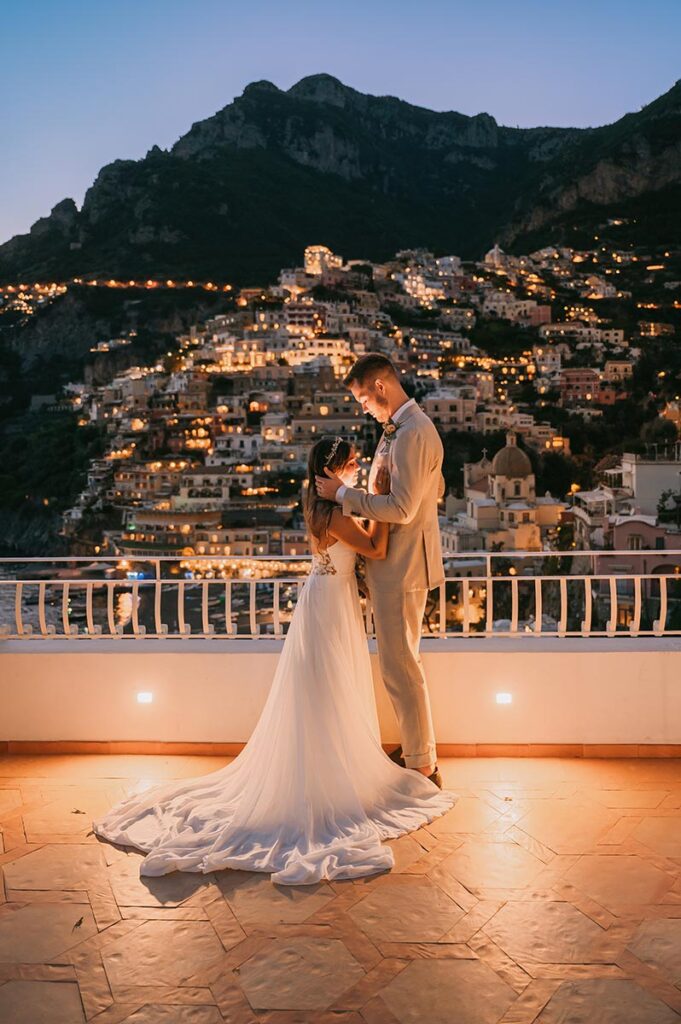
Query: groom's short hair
[(373, 364)]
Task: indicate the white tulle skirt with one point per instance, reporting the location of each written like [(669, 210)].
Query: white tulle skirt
[(313, 794)]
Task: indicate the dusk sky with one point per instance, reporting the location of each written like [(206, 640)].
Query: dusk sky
[(84, 83)]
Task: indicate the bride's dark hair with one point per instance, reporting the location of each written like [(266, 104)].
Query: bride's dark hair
[(330, 453)]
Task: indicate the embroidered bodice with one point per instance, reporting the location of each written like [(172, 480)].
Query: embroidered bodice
[(338, 560)]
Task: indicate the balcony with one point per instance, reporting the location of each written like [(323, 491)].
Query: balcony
[(563, 654), (553, 887)]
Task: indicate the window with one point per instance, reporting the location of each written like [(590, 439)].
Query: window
[(516, 488), (635, 542)]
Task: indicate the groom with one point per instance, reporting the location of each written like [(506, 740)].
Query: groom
[(412, 451)]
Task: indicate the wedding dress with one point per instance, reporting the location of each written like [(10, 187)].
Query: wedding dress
[(312, 794)]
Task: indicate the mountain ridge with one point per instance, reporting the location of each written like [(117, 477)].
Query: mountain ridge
[(240, 193)]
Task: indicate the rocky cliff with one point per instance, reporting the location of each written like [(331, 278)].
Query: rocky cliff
[(244, 190)]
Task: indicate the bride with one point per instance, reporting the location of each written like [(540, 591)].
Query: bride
[(312, 795)]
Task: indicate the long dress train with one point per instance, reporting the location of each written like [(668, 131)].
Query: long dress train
[(312, 794)]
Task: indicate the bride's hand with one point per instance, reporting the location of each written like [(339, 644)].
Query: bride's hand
[(382, 481)]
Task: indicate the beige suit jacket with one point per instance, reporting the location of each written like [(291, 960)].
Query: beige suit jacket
[(414, 559)]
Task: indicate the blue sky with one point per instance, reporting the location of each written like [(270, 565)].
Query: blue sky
[(82, 84)]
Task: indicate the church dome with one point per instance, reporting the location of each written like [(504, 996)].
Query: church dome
[(511, 461)]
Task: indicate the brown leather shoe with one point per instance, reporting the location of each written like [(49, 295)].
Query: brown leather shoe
[(396, 756), (436, 778)]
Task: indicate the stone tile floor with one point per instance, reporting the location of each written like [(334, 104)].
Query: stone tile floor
[(550, 893)]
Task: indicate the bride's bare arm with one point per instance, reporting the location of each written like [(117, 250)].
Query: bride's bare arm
[(372, 542)]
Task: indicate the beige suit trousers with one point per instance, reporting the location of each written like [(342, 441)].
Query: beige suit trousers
[(398, 618)]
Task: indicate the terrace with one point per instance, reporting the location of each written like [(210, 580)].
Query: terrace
[(550, 893), (560, 653)]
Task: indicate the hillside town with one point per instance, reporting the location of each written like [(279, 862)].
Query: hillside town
[(206, 449)]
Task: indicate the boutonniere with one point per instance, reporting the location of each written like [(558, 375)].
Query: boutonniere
[(390, 428)]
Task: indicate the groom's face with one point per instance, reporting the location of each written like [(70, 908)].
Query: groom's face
[(371, 396)]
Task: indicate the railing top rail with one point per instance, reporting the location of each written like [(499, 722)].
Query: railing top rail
[(247, 581), (454, 556), (194, 581)]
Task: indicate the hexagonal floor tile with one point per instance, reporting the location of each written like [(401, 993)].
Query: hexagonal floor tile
[(663, 835), (158, 1013), (659, 943), (39, 932), (618, 882), (444, 991), (10, 801), (67, 815), (467, 815), (630, 797), (161, 953), (567, 827), (406, 851), (132, 890), (299, 974), (415, 912), (552, 933), (605, 1001), (256, 901), (56, 867), (49, 1002), (480, 865)]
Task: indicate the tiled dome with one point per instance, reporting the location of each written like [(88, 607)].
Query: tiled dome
[(511, 461)]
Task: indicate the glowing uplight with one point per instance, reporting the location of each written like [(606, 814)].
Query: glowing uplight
[(145, 697), (504, 698)]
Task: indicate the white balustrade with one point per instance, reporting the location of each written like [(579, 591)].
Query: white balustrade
[(514, 596)]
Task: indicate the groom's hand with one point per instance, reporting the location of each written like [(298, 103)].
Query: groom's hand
[(382, 481), (328, 485)]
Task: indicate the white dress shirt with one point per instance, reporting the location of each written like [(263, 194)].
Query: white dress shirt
[(396, 416)]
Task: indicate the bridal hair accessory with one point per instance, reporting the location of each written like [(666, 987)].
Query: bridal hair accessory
[(334, 449)]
